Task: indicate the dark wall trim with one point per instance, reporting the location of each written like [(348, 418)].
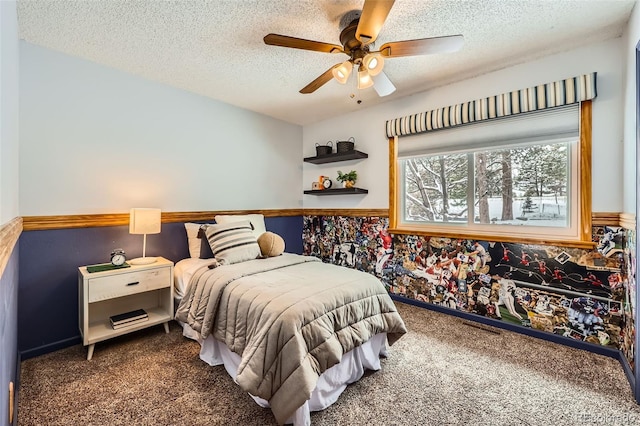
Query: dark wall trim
[(50, 347), (628, 371)]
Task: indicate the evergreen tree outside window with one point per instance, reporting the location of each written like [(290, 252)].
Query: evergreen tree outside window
[(520, 186)]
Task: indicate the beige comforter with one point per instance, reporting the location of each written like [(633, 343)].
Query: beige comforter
[(290, 318)]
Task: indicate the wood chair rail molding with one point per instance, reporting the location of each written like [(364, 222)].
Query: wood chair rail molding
[(628, 220), (35, 223), (9, 234), (606, 219), (10, 231)]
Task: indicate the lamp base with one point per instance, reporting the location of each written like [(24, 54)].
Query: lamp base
[(143, 260)]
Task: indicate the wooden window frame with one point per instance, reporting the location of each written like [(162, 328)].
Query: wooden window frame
[(583, 239)]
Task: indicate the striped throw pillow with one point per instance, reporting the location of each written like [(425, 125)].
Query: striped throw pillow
[(232, 242)]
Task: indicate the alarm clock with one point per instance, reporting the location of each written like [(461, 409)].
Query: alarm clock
[(326, 183), (118, 257)]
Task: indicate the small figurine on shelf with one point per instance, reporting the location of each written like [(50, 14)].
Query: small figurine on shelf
[(348, 179)]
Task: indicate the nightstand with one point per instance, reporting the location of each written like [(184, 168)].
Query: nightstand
[(107, 293)]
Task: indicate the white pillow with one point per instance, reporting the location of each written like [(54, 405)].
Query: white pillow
[(257, 220), (192, 237), (232, 242)]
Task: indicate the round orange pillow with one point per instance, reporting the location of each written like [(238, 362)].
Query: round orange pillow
[(271, 244)]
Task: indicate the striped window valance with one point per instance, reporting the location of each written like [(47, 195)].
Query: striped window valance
[(550, 95)]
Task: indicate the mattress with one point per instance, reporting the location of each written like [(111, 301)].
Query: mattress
[(183, 271)]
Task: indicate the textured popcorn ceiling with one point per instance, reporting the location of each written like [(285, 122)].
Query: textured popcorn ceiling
[(215, 48)]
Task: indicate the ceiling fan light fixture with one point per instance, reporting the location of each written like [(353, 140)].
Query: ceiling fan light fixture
[(374, 63), (383, 85), (364, 78), (342, 72)]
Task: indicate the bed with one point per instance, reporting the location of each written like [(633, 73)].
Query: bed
[(290, 330)]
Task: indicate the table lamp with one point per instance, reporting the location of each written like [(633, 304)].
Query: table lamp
[(144, 221)]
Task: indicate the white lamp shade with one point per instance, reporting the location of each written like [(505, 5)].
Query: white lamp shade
[(374, 63), (342, 72), (364, 79), (383, 85), (144, 221)]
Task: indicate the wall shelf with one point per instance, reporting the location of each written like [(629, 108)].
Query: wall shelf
[(337, 191), (339, 156)]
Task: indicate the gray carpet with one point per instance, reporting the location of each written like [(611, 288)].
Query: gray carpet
[(441, 372)]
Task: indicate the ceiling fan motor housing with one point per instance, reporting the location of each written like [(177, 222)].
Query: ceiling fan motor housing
[(352, 46)]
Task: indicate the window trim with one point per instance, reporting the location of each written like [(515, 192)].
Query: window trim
[(583, 239)]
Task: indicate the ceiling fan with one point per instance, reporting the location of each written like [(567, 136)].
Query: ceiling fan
[(357, 39)]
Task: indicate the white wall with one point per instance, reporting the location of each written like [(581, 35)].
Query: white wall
[(631, 38), (368, 125), (9, 102), (97, 140)]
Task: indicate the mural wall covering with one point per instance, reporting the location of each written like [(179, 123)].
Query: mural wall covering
[(580, 294), (630, 311)]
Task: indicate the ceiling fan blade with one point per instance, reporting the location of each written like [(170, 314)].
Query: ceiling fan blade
[(300, 43), (383, 85), (320, 81), (423, 46), (374, 13)]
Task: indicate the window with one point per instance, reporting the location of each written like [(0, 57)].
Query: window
[(517, 177), (525, 185)]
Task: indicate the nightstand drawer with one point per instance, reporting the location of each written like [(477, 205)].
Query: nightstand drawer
[(130, 283)]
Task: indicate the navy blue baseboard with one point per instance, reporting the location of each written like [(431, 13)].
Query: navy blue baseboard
[(629, 373), (550, 337), (50, 347)]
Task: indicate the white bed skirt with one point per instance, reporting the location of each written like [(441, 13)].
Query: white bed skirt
[(330, 384)]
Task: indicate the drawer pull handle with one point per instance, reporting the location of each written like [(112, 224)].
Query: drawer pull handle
[(134, 283)]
